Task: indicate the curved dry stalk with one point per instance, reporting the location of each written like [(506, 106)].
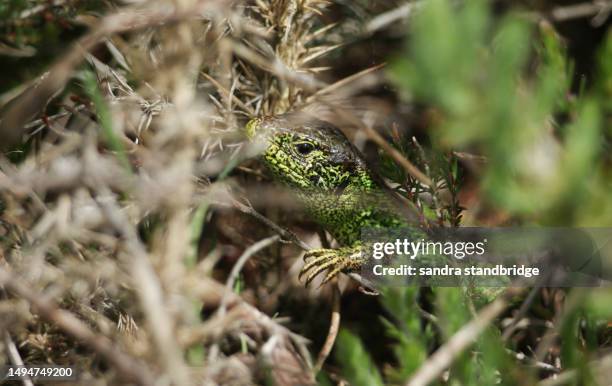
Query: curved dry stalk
[(367, 286), (334, 327), (521, 312), (246, 255)]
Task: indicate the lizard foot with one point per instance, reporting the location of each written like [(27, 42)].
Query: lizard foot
[(334, 260)]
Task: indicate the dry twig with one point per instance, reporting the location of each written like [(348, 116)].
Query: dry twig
[(334, 327), (246, 255)]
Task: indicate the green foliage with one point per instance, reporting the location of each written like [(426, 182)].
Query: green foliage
[(323, 379), (539, 141), (357, 365), (411, 339), (444, 50), (196, 226), (452, 308), (10, 9), (103, 113), (442, 168), (502, 88)]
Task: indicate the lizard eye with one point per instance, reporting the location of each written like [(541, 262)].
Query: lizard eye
[(304, 148)]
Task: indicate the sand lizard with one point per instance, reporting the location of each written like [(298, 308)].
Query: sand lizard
[(333, 182)]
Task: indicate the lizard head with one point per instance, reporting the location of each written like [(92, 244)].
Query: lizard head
[(305, 152)]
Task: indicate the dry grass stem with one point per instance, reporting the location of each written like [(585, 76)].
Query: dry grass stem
[(334, 327)]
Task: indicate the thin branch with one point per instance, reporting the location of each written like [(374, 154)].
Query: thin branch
[(227, 94), (26, 13), (14, 356), (41, 7), (367, 286), (344, 81), (532, 362), (470, 157), (284, 233), (601, 370), (577, 11), (524, 307), (334, 327), (384, 19), (397, 156), (212, 293), (600, 10), (278, 68), (246, 255)]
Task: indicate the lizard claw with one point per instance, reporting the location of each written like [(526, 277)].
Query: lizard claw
[(319, 264), (335, 260)]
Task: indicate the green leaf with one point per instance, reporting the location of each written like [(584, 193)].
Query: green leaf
[(105, 120), (197, 222)]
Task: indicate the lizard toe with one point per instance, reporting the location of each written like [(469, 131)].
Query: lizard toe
[(332, 274), (317, 267), (316, 260), (313, 253), (333, 260)]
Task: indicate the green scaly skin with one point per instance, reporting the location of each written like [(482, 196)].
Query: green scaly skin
[(332, 181)]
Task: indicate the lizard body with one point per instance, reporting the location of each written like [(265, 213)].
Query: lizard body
[(333, 182)]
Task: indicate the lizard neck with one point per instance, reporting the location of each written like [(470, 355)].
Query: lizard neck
[(361, 204)]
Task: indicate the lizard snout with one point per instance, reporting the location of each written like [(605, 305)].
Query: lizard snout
[(252, 127)]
